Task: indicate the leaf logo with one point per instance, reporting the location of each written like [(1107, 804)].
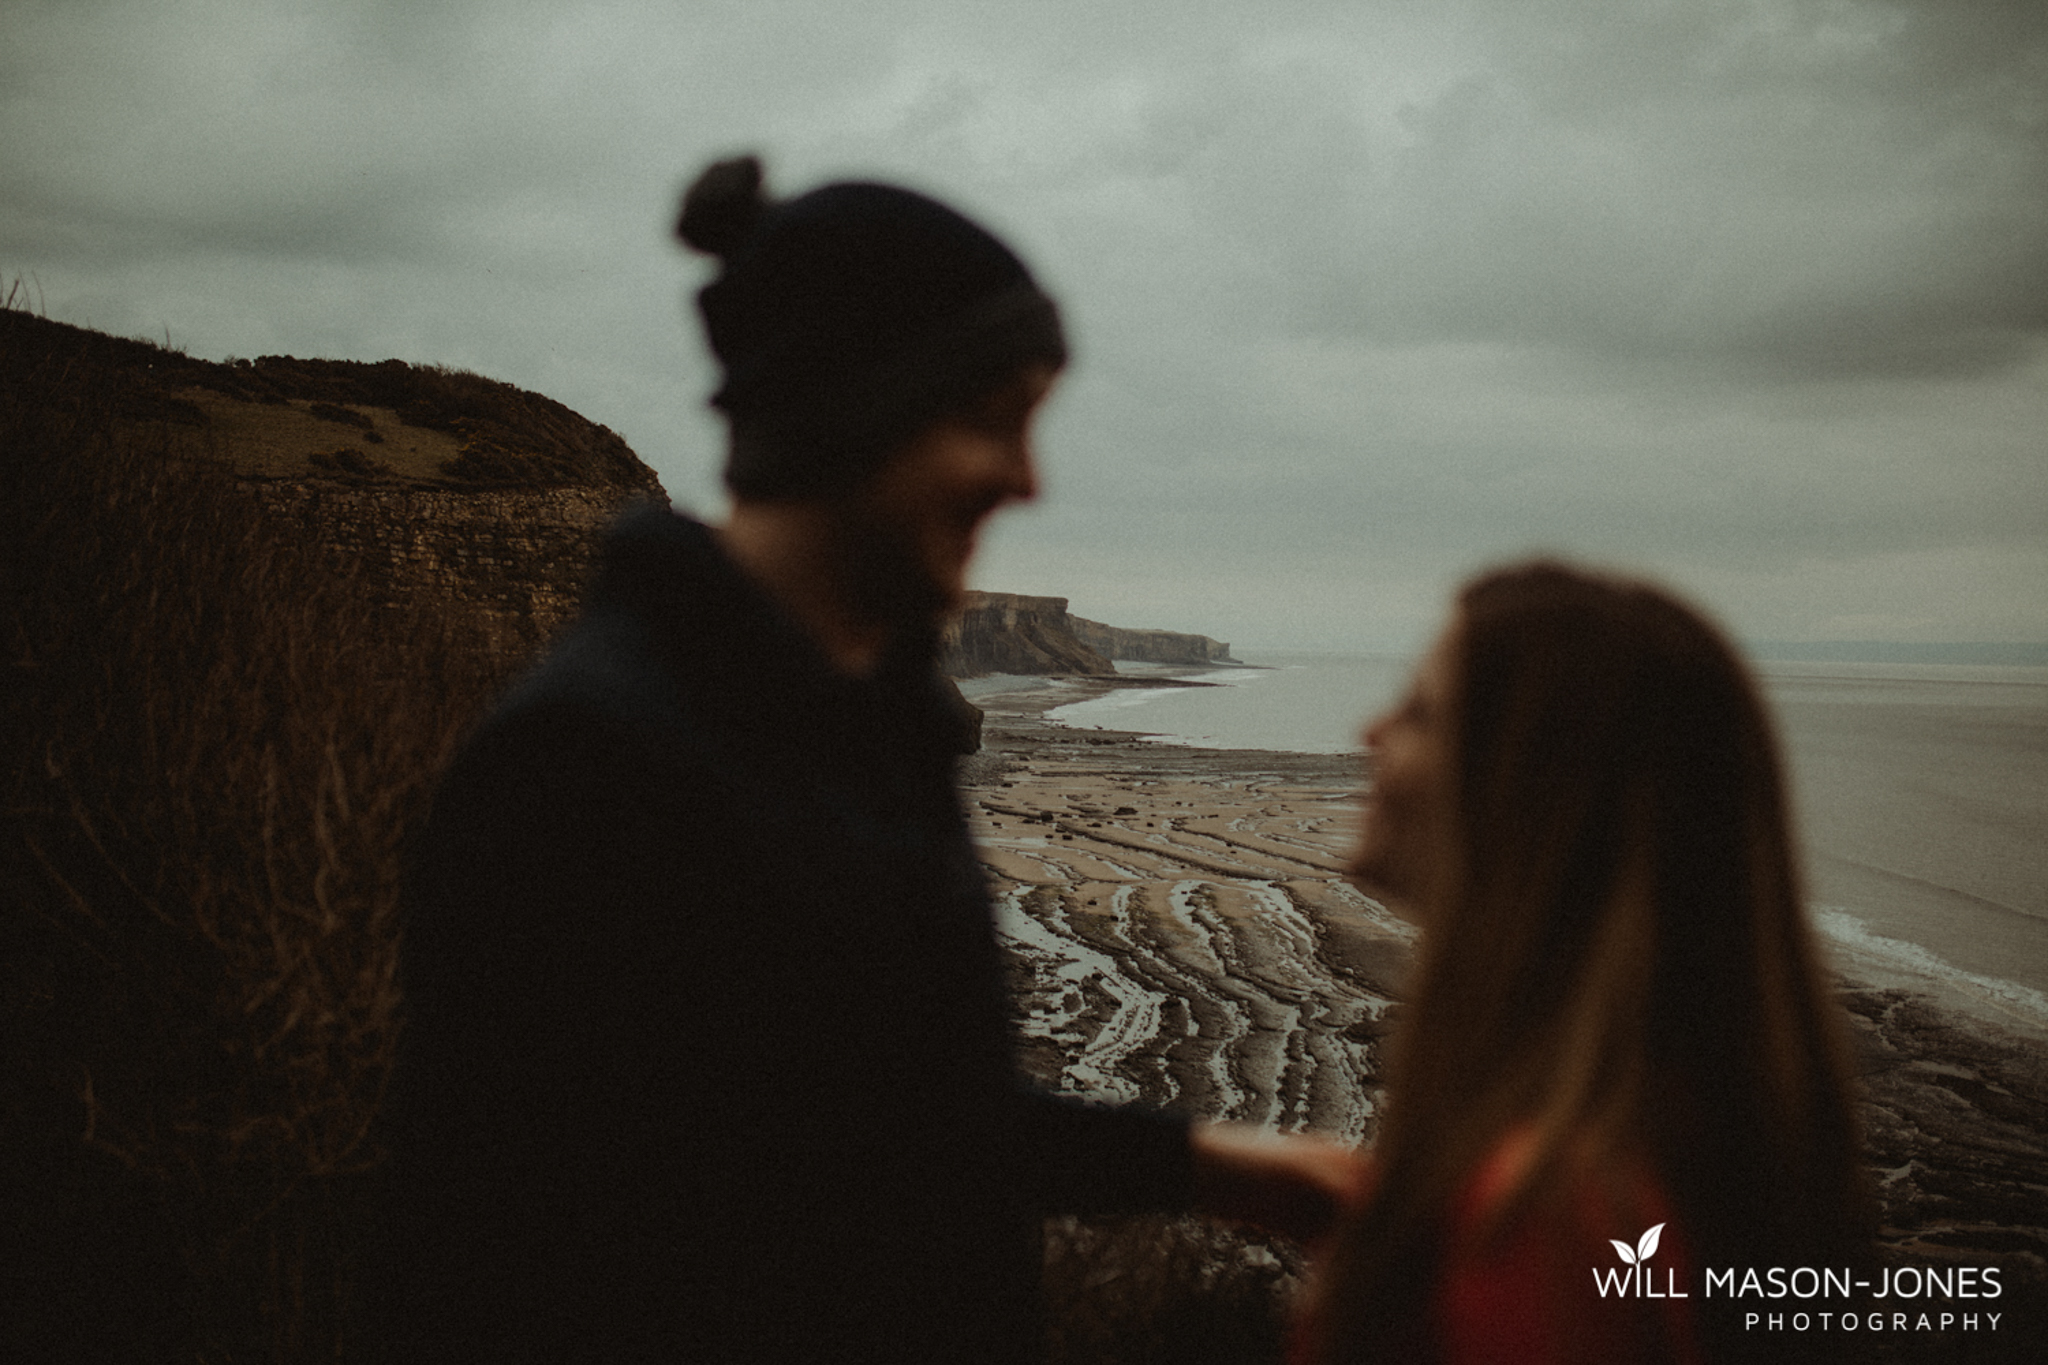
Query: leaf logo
[(1644, 1249)]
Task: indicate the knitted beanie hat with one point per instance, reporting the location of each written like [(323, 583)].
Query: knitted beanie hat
[(848, 320)]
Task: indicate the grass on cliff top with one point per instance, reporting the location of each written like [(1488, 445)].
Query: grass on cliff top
[(343, 419), (302, 440)]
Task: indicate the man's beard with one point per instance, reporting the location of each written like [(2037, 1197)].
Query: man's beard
[(887, 579)]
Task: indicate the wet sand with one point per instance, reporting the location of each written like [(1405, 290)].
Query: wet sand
[(1178, 930), (1179, 934)]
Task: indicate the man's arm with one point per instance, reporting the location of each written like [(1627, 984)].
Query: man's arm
[(1295, 1184), (1090, 1158)]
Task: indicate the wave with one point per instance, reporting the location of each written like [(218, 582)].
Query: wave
[(2007, 998)]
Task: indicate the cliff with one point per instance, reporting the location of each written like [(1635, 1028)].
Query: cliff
[(1006, 632), (1149, 646), (442, 489)]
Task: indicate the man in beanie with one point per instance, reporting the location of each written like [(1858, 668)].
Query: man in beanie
[(708, 1056)]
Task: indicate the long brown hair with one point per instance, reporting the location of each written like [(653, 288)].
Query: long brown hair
[(1615, 960)]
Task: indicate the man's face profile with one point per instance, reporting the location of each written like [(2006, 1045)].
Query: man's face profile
[(918, 518)]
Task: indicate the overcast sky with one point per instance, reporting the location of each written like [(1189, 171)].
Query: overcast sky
[(1751, 294)]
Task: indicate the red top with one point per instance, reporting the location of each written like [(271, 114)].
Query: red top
[(1531, 1291)]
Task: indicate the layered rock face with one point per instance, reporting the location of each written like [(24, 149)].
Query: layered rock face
[(1149, 646), (1007, 632), (513, 563)]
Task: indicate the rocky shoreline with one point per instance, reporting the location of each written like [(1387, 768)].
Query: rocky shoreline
[(1179, 934)]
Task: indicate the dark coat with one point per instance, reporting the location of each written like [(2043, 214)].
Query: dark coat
[(708, 1053)]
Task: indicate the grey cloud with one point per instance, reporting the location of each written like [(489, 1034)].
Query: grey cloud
[(1363, 293), (1702, 187), (1838, 188)]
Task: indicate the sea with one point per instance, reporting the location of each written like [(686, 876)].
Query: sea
[(1920, 791)]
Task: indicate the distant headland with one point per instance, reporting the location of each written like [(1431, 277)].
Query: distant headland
[(1003, 632)]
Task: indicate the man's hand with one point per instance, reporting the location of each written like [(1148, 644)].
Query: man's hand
[(1290, 1183)]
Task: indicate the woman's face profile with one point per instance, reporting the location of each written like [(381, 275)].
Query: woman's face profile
[(1407, 802)]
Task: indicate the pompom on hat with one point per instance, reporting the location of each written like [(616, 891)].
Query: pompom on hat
[(848, 320)]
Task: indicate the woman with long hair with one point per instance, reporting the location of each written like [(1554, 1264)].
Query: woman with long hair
[(1619, 1062)]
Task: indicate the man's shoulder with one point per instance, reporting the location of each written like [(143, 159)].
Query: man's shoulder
[(606, 667), (623, 690), (587, 747)]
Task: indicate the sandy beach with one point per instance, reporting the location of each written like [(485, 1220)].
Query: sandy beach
[(1179, 934)]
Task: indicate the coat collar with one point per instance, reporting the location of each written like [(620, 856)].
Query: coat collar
[(735, 649)]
